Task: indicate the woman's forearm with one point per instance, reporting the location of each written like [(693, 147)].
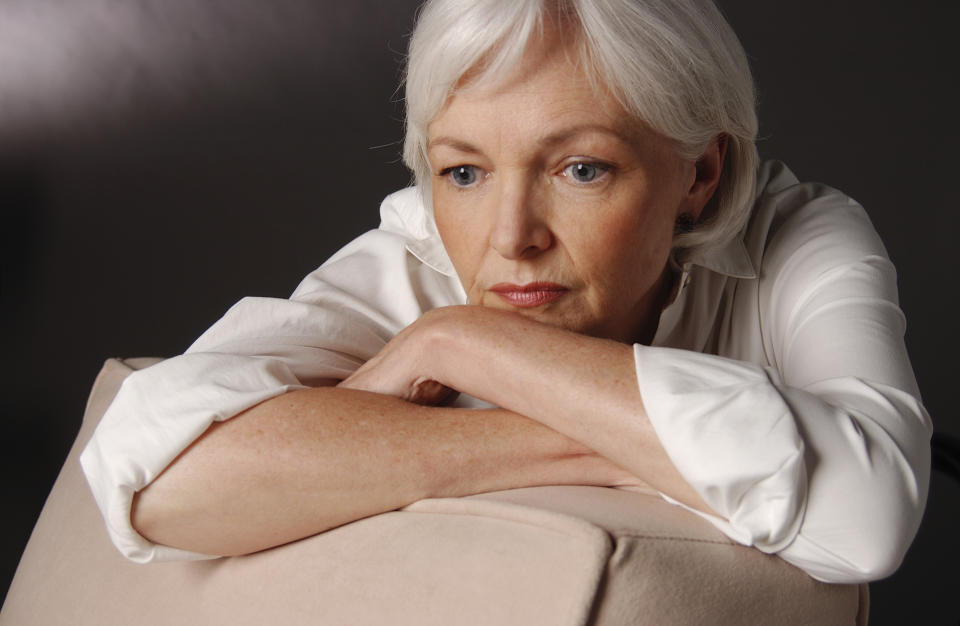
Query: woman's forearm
[(583, 387), (314, 459)]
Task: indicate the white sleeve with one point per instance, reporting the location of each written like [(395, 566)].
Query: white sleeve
[(823, 457), (157, 413), (338, 318)]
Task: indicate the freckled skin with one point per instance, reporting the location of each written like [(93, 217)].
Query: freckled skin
[(570, 411), (527, 217)]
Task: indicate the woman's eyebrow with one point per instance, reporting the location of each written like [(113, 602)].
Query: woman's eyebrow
[(559, 136), (564, 134), (452, 142)]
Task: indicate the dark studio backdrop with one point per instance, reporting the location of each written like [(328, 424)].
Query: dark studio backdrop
[(160, 160)]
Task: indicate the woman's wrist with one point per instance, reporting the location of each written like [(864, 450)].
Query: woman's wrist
[(448, 353)]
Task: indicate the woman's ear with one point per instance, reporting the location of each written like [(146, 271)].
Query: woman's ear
[(706, 177)]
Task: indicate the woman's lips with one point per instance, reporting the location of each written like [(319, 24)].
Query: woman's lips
[(530, 295)]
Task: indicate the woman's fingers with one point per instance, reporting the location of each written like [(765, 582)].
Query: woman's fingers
[(399, 370), (428, 392)]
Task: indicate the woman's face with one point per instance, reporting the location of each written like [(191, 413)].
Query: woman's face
[(553, 202)]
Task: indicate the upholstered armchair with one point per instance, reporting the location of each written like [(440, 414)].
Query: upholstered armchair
[(547, 555)]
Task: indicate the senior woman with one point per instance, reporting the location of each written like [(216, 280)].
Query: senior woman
[(593, 256)]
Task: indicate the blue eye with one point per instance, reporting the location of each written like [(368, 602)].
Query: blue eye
[(461, 175), (584, 172)]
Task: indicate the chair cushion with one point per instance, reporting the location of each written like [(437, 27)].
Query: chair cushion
[(544, 555)]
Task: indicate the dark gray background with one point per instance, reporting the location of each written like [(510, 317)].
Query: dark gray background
[(161, 159)]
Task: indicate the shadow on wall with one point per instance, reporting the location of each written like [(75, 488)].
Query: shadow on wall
[(158, 161)]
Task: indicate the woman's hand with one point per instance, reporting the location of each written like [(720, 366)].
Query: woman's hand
[(405, 367), (582, 387)]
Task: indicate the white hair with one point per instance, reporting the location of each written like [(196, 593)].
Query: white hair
[(674, 64)]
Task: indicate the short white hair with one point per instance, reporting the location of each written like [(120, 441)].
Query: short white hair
[(674, 64)]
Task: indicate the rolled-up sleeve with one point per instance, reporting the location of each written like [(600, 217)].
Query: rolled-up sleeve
[(157, 414), (260, 349), (341, 315), (821, 454)]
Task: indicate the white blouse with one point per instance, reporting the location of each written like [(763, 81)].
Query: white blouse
[(778, 381)]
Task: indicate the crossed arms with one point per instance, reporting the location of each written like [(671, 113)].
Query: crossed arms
[(312, 459)]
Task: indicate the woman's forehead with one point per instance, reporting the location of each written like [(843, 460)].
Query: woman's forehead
[(546, 89)]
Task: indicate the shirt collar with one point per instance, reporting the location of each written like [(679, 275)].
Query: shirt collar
[(738, 258), (730, 259), (408, 213)]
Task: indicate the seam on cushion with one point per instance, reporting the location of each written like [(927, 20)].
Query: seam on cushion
[(561, 522), (437, 505), (137, 363), (686, 539), (599, 538)]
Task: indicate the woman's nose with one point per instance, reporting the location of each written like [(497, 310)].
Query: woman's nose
[(521, 229)]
